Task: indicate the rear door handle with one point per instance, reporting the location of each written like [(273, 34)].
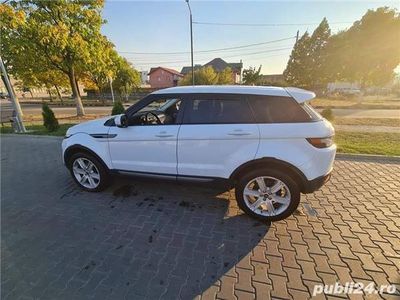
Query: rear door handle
[(239, 132), (164, 134)]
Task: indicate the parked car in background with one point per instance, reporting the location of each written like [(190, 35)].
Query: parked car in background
[(266, 141)]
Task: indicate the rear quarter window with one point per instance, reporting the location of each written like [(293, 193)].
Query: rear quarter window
[(277, 109)]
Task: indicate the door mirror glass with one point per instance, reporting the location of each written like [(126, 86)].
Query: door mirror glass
[(121, 121)]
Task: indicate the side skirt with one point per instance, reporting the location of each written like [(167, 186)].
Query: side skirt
[(179, 178)]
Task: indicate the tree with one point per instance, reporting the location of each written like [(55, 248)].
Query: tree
[(251, 76), (368, 52), (318, 74), (118, 108), (49, 119), (63, 35), (297, 72), (225, 77), (208, 76), (126, 77)]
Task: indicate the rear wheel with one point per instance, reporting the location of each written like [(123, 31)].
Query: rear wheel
[(268, 195), (88, 172)]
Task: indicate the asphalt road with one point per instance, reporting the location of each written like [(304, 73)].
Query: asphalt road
[(33, 109)]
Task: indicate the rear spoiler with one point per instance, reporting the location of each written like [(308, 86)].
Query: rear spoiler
[(300, 95)]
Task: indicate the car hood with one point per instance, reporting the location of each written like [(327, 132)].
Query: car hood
[(90, 127)]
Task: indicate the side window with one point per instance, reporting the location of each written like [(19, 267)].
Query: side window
[(161, 111), (277, 109), (218, 111)]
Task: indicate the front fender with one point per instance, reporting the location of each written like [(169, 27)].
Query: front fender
[(98, 146)]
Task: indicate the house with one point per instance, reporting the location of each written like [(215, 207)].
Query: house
[(218, 64), (161, 77)]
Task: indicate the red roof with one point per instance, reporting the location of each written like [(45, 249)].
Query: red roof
[(172, 71)]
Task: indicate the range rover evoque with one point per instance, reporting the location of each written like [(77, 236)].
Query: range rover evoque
[(267, 141)]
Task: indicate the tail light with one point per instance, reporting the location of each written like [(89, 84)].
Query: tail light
[(321, 142)]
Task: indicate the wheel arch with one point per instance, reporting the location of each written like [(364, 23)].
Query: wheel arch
[(273, 163), (76, 148)]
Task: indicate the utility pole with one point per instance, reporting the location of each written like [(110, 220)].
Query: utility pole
[(17, 108), (297, 36), (191, 39)]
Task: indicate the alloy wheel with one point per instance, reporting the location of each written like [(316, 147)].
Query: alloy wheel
[(266, 196), (86, 173)]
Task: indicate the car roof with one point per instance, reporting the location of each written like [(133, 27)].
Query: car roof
[(299, 95)]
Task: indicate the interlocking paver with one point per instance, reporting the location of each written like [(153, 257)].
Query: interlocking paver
[(170, 241)]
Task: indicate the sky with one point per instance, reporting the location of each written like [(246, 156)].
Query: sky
[(140, 28)]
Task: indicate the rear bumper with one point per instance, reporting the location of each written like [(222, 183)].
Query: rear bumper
[(315, 184)]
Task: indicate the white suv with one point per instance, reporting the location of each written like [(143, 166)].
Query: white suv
[(265, 140)]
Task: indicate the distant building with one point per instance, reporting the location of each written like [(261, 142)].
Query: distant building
[(272, 79), (218, 64), (161, 77), (144, 77), (351, 88)]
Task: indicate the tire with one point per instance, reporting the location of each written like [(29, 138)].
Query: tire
[(98, 173), (248, 192)]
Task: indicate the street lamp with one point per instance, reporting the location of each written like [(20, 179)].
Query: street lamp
[(191, 38)]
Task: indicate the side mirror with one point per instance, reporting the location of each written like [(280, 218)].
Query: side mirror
[(121, 121)]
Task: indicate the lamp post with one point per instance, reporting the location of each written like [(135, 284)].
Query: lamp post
[(17, 108), (191, 38)]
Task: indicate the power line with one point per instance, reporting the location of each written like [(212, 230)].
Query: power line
[(229, 56), (213, 50), (139, 58), (263, 24)]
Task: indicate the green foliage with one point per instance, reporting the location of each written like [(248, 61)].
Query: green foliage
[(49, 120), (328, 114), (208, 76), (297, 72), (368, 52), (118, 108), (317, 55), (225, 77), (382, 143), (251, 76), (39, 130), (306, 66), (58, 36), (126, 78)]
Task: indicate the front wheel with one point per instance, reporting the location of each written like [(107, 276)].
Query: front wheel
[(268, 195), (88, 172)]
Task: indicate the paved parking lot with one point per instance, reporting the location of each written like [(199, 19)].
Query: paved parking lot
[(150, 240)]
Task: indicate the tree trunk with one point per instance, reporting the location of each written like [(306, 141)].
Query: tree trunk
[(30, 92), (72, 80), (77, 87), (51, 96), (58, 93)]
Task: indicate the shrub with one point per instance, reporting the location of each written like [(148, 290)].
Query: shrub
[(327, 114), (49, 119), (118, 108)]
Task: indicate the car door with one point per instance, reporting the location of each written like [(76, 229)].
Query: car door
[(218, 134), (148, 148)]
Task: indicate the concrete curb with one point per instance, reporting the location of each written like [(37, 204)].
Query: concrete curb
[(368, 157), (31, 136)]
